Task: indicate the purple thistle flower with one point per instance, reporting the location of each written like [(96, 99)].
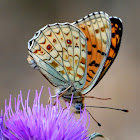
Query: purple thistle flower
[(51, 122)]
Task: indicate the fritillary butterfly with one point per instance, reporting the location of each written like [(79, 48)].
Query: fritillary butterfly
[(75, 56)]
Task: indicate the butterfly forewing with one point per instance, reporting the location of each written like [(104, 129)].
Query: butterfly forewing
[(97, 29), (59, 51), (117, 29)]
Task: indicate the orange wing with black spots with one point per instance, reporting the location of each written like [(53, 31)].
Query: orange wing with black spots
[(117, 29), (97, 29)]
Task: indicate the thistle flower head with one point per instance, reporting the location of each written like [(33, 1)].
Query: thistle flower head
[(50, 122)]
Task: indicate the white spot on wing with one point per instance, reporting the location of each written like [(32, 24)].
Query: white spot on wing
[(48, 32), (66, 30), (75, 34), (53, 53), (56, 30), (58, 47)]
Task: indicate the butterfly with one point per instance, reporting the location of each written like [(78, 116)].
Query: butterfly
[(74, 57)]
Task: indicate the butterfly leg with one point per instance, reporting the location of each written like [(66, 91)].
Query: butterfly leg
[(63, 93), (59, 95), (51, 97)]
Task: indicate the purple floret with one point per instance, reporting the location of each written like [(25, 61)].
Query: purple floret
[(52, 122)]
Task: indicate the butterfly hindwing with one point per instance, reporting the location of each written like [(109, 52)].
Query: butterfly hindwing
[(59, 52), (97, 29)]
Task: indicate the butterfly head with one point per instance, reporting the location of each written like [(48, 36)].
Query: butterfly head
[(77, 102), (78, 106)]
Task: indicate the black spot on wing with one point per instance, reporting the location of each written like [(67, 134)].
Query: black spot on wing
[(102, 53), (76, 46), (89, 52), (98, 51), (109, 58), (88, 80), (93, 63), (92, 71), (94, 46), (89, 75)]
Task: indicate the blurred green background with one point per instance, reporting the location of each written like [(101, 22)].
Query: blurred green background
[(20, 19)]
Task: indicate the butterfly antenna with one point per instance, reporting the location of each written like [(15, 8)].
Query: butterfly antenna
[(97, 98), (93, 118), (123, 110)]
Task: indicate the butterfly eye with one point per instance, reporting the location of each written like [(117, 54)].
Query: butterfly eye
[(79, 106), (49, 47), (69, 41)]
